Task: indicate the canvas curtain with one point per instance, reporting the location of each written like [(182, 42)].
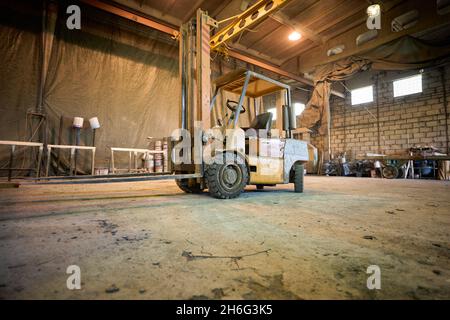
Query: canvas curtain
[(122, 73)]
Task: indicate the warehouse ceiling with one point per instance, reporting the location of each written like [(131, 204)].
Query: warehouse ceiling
[(323, 25)]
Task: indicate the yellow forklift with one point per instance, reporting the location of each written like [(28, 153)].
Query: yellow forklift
[(259, 156), (264, 156)]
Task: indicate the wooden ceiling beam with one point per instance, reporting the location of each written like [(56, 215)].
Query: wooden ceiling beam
[(346, 28), (144, 9), (299, 52), (313, 35), (255, 53), (301, 28), (139, 18), (305, 15), (358, 8), (193, 10), (318, 11), (264, 36), (220, 8), (169, 5)]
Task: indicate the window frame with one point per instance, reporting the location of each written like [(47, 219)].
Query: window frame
[(406, 78), (364, 102), (274, 114), (299, 103)]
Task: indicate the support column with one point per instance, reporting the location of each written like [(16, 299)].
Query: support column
[(377, 85), (444, 88), (327, 136)]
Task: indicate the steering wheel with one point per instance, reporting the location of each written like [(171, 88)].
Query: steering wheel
[(232, 105)]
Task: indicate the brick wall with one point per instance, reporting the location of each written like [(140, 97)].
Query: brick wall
[(396, 124)]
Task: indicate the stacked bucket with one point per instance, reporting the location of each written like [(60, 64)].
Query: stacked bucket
[(159, 158), (157, 162), (149, 163), (166, 152)]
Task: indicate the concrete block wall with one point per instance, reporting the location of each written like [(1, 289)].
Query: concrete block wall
[(392, 125)]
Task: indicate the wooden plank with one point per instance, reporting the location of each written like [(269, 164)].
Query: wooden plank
[(135, 150), (9, 185), (58, 146), (131, 16), (21, 143)]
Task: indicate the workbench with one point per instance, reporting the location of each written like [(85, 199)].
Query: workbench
[(13, 145), (406, 160)]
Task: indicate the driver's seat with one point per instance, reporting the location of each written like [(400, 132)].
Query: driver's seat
[(262, 121)]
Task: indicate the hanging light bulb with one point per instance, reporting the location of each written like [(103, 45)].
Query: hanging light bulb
[(373, 10), (294, 36)]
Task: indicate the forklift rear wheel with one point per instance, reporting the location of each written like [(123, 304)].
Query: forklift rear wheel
[(189, 185), (298, 177), (227, 176)]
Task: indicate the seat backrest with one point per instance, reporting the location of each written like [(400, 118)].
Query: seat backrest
[(262, 121)]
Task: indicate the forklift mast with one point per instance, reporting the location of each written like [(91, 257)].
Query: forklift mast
[(195, 71), (195, 45)]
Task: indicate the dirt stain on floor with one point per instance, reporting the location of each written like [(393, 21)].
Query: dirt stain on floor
[(274, 289), (273, 244)]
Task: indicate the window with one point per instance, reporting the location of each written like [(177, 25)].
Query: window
[(273, 111), (408, 86), (298, 108), (362, 95)]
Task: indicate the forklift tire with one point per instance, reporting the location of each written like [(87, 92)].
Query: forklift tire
[(298, 178), (189, 186), (226, 178)]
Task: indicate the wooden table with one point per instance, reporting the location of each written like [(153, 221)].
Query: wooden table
[(72, 155), (13, 145)]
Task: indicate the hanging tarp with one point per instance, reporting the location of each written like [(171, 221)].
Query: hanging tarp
[(20, 34), (113, 69)]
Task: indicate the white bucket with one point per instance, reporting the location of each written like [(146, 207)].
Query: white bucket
[(101, 171), (95, 124), (78, 122), (149, 163)]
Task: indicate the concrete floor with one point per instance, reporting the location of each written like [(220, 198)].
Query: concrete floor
[(151, 241)]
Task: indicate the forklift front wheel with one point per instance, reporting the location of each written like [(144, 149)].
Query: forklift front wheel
[(298, 177), (227, 176)]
